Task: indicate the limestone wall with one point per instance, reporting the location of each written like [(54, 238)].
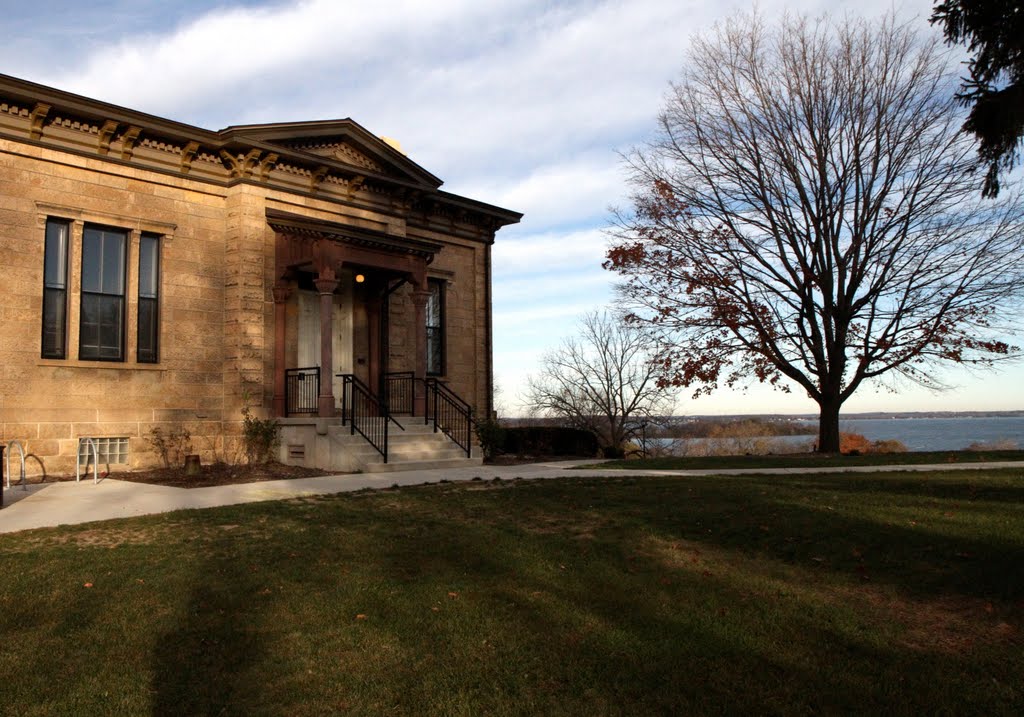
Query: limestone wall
[(216, 307)]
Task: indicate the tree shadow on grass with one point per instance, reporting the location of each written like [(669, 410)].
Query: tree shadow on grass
[(919, 549), (588, 624), (952, 485), (202, 666)]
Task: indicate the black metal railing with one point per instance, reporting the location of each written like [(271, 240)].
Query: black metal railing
[(302, 390), (365, 413), (399, 392), (450, 414)]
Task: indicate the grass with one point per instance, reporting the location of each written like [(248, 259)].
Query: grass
[(895, 593), (812, 460)]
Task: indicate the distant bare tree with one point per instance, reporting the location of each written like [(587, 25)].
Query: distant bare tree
[(603, 381), (810, 215)]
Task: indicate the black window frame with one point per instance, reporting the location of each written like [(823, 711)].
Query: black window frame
[(437, 332), (149, 354), (95, 353), (55, 291)]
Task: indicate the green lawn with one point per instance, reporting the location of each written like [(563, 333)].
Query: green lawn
[(811, 460), (817, 594)]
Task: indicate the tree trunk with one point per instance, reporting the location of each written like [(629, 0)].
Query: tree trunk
[(828, 426)]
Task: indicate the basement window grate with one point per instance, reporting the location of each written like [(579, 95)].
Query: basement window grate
[(109, 450)]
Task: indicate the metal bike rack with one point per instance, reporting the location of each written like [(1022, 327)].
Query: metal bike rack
[(7, 458), (95, 460)]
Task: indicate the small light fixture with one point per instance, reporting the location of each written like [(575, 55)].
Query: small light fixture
[(360, 278)]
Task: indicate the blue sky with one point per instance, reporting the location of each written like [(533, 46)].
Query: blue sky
[(521, 103)]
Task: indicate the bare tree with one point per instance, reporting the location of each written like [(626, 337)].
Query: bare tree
[(602, 381), (809, 215)]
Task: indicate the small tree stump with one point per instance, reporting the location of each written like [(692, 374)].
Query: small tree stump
[(192, 465)]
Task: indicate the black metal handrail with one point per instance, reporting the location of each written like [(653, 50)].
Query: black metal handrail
[(302, 390), (450, 414), (365, 413), (399, 391)]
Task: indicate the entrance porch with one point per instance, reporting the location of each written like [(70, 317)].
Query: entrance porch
[(332, 355)]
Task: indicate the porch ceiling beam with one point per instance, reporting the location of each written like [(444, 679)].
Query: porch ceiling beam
[(299, 226)]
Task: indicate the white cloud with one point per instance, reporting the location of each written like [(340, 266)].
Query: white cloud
[(549, 252), (552, 194), (543, 287)]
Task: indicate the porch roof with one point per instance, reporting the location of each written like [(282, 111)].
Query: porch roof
[(298, 226)]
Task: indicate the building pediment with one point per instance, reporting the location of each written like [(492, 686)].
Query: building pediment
[(342, 141)]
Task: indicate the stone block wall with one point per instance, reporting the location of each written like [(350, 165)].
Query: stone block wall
[(47, 404), (218, 269)]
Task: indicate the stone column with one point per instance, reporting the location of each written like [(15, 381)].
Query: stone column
[(281, 294), (326, 283), (420, 295)]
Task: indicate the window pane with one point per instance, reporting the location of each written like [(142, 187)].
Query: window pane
[(56, 255), (435, 328), (149, 290), (147, 330), (113, 263), (89, 331), (434, 305), (433, 351), (100, 333), (148, 266), (92, 248), (55, 270), (103, 261), (54, 323)]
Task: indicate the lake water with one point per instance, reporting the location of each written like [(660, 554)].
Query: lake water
[(917, 434), (939, 434)]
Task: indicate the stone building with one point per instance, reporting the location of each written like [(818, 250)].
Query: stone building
[(161, 276)]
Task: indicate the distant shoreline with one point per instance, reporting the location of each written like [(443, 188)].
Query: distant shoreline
[(864, 415)]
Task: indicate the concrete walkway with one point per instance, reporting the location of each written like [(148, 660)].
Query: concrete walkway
[(69, 503)]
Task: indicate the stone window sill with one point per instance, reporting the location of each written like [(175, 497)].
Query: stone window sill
[(121, 365)]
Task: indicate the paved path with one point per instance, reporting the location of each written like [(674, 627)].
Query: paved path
[(68, 503)]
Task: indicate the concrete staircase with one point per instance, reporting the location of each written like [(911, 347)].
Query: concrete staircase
[(415, 448)]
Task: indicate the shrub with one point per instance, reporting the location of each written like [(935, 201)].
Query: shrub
[(549, 440), (1003, 444), (614, 452), (888, 446), (855, 444), (171, 447), (261, 436), (491, 436)]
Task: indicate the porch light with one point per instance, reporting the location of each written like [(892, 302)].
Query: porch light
[(360, 278)]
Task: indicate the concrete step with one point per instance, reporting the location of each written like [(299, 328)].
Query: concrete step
[(398, 465), (417, 447)]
